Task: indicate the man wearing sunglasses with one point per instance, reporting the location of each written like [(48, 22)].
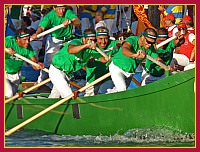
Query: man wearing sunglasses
[(95, 68), (185, 54), (71, 58), (130, 55), (152, 72), (20, 45)]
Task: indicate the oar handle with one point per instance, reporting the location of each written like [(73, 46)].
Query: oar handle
[(28, 61), (165, 42), (9, 132), (37, 85), (157, 62), (136, 81), (102, 53), (12, 98), (50, 30), (28, 90)]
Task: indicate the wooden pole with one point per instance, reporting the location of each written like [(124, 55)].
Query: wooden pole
[(50, 30), (11, 131), (136, 81), (27, 90), (157, 62), (102, 53), (166, 41), (38, 85)]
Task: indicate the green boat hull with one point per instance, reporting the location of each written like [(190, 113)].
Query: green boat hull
[(169, 102)]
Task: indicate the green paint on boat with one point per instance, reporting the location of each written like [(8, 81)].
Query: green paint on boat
[(169, 103)]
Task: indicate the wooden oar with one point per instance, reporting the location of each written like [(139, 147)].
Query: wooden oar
[(157, 62), (105, 55), (136, 81), (102, 53), (20, 94), (166, 41), (45, 69), (9, 132), (50, 30)]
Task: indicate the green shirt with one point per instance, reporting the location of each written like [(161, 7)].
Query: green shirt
[(166, 55), (13, 63), (51, 20), (96, 69), (129, 64), (69, 63)]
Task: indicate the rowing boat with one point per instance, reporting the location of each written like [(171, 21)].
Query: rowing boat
[(169, 102)]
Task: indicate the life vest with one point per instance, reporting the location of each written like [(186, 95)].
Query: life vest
[(170, 33), (187, 47), (191, 30)]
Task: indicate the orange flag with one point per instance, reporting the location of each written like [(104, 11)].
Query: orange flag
[(143, 21)]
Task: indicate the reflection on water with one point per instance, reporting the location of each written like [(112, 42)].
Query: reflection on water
[(157, 137)]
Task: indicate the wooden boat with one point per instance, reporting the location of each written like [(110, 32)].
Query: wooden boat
[(169, 102)]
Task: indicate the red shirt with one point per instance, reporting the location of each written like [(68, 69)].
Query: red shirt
[(187, 47), (191, 30), (170, 33)]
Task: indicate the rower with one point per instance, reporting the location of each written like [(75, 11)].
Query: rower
[(18, 44)]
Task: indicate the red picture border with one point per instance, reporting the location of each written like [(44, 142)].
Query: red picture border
[(146, 149)]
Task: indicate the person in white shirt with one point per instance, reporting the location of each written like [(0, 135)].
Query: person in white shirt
[(170, 25), (99, 20), (36, 44)]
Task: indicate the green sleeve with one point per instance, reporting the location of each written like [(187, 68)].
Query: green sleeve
[(70, 14), (46, 20), (171, 46)]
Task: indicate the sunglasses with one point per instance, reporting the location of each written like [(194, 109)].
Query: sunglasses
[(149, 42), (95, 40), (181, 29)]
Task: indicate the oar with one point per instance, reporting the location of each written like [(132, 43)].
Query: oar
[(136, 81), (50, 30), (102, 53), (105, 55), (9, 132), (45, 69), (157, 62), (166, 41), (20, 94)]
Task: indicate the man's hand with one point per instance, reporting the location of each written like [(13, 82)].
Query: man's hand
[(66, 22), (179, 40), (10, 51), (91, 45), (140, 54), (33, 37), (39, 67)]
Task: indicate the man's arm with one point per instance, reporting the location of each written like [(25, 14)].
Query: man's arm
[(41, 65), (76, 22), (127, 51)]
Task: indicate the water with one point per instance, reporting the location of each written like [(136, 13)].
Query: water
[(149, 137), (146, 137)]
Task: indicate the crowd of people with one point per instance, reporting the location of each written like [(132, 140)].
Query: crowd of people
[(107, 29)]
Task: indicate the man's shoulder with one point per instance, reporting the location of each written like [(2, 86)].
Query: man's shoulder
[(76, 41), (10, 37), (132, 39)]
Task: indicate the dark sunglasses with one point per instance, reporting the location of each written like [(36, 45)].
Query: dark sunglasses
[(95, 40), (181, 29), (149, 42)]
